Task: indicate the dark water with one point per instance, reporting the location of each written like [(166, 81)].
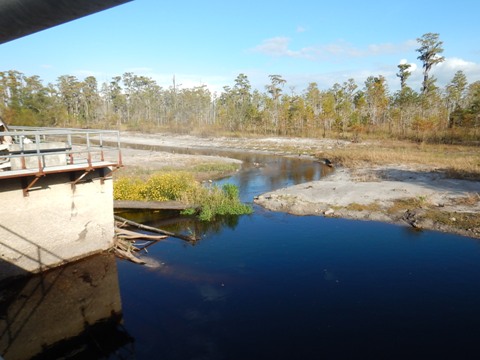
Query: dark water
[(282, 287), (276, 286), (265, 286)]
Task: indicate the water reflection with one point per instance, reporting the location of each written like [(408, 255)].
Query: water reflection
[(72, 311), (260, 172), (173, 221)]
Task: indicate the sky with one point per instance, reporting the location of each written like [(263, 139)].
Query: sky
[(211, 42)]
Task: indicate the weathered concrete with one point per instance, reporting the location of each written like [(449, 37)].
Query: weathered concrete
[(55, 223)]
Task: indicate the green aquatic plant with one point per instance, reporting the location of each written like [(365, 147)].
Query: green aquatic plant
[(213, 200)]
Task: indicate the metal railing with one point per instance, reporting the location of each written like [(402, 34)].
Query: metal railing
[(32, 148)]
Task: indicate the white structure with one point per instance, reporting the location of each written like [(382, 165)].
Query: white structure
[(56, 198)]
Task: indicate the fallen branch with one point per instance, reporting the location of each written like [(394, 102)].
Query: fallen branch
[(156, 230), (132, 235)]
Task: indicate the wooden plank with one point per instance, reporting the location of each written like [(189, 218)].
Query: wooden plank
[(149, 205)]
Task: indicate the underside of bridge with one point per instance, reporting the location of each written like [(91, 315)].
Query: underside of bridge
[(19, 18)]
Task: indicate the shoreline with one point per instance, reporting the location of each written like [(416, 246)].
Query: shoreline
[(414, 195), (394, 194)]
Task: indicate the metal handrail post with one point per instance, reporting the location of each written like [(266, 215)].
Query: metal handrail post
[(102, 157), (70, 146), (119, 150), (22, 152), (89, 155), (39, 155)]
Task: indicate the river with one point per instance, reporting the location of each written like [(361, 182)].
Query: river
[(276, 286)]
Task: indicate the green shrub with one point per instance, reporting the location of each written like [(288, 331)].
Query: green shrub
[(231, 191), (221, 201), (181, 186)]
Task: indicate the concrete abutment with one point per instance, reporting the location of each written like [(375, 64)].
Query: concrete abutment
[(56, 223)]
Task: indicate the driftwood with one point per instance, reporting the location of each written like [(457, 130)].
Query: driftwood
[(132, 235), (128, 255), (156, 230), (125, 245)]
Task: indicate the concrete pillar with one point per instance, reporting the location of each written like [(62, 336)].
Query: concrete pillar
[(55, 223)]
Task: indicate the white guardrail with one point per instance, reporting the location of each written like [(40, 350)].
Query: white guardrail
[(40, 149)]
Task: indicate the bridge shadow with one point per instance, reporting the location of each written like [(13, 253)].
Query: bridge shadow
[(9, 270), (75, 307)]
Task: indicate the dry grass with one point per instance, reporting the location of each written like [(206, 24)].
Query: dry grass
[(457, 161), (469, 200), (201, 171), (372, 207), (439, 216), (401, 205), (453, 219)]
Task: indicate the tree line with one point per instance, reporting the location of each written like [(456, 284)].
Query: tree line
[(346, 109)]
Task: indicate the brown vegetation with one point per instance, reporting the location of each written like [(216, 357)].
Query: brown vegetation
[(456, 161)]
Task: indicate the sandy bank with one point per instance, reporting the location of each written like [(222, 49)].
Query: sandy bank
[(156, 160), (396, 194)]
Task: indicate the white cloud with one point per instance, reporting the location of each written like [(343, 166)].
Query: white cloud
[(301, 29), (280, 47), (445, 71), (182, 81), (186, 81), (413, 67)]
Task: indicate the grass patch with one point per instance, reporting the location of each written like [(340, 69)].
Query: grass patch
[(215, 201), (201, 171), (216, 167), (182, 186), (134, 171)]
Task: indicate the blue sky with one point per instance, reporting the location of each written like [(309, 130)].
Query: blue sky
[(211, 42)]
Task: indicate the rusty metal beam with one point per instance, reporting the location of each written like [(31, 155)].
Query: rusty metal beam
[(19, 18), (77, 180), (27, 186)]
